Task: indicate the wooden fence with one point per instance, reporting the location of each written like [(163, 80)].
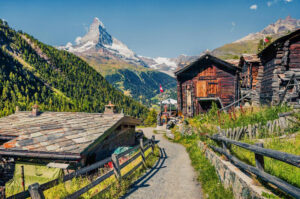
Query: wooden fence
[(260, 152), (35, 191), (254, 130)]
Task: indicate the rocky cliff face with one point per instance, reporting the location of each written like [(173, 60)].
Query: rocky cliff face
[(280, 27)]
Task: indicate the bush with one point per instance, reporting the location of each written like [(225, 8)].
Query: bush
[(151, 118)]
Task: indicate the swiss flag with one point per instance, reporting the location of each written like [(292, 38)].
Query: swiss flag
[(266, 40), (161, 89)]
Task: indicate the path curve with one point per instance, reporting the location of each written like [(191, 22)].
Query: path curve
[(172, 177)]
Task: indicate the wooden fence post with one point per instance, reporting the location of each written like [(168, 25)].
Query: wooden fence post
[(35, 191), (142, 151), (225, 147), (259, 159), (116, 165), (2, 192), (153, 143), (23, 177)]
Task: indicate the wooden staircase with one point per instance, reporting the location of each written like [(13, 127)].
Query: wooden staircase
[(291, 94)]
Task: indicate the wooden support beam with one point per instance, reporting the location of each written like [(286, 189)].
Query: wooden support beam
[(142, 152), (35, 191), (259, 159), (116, 165)]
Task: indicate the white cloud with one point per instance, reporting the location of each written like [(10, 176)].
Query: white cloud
[(253, 7), (69, 44), (233, 24), (270, 3), (77, 40)]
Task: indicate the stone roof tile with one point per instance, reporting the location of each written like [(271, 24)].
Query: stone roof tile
[(70, 132)]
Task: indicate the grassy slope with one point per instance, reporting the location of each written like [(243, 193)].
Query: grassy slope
[(235, 50)]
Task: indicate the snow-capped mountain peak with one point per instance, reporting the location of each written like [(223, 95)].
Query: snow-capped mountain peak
[(99, 41)]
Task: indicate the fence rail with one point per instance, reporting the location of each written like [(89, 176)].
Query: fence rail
[(35, 191), (260, 152)]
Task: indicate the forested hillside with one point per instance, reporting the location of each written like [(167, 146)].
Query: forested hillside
[(143, 85), (32, 72)]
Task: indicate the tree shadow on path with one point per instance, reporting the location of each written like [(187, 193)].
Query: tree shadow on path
[(141, 182)]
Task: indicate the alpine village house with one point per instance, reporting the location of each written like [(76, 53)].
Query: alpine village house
[(67, 138), (207, 80), (271, 77)]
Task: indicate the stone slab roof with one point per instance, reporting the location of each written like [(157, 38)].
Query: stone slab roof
[(67, 132), (251, 58)]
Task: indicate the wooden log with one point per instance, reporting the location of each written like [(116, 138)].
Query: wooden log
[(35, 191), (250, 131), (225, 147), (116, 165), (259, 159), (257, 131), (286, 114), (237, 133), (23, 177), (142, 152), (153, 143)]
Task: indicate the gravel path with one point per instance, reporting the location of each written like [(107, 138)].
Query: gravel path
[(172, 177)]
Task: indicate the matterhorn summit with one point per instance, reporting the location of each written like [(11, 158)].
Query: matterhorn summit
[(99, 42)]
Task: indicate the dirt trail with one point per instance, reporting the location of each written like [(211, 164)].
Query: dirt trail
[(172, 177)]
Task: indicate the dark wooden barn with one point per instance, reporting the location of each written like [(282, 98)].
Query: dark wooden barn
[(207, 80), (251, 75), (281, 73), (249, 64)]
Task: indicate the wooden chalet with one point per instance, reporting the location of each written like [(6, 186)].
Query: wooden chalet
[(207, 80), (250, 76), (281, 71), (68, 137)]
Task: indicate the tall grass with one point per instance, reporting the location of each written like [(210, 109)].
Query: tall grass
[(237, 117)]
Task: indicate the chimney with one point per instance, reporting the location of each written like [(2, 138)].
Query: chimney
[(35, 110), (110, 108)]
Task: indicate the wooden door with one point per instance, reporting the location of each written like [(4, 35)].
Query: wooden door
[(207, 88), (201, 88), (212, 88)]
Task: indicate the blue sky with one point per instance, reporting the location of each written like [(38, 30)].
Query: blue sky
[(149, 27)]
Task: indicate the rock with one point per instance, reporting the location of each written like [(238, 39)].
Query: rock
[(169, 134), (247, 104)]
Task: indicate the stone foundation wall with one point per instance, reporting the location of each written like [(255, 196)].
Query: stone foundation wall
[(231, 177)]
